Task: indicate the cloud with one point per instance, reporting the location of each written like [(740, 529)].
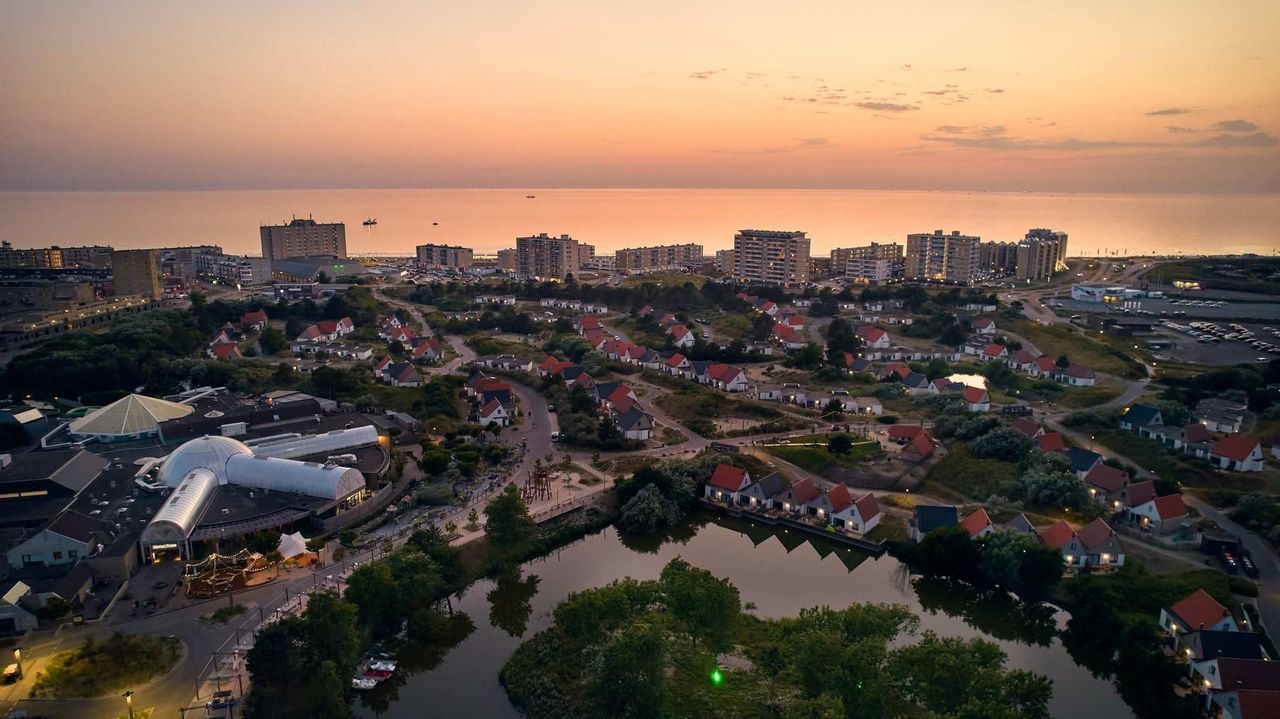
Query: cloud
[(1171, 111), (1257, 139), (1235, 126), (906, 67), (956, 69), (999, 142), (885, 106), (972, 130), (1178, 129), (706, 74), (804, 143), (995, 90)]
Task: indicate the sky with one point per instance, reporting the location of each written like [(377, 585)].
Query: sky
[(1137, 96)]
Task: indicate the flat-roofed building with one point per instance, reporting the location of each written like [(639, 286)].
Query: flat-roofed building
[(136, 272), (873, 264), (544, 257), (998, 257), (1041, 253), (54, 258), (304, 238), (724, 261), (507, 260), (444, 257), (771, 257), (939, 257), (657, 258)]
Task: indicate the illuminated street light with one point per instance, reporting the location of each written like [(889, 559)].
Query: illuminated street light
[(128, 699)]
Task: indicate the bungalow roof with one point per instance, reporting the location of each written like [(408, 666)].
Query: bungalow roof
[(1198, 610), (727, 476)]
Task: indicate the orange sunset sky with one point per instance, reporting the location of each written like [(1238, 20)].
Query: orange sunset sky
[(1141, 95)]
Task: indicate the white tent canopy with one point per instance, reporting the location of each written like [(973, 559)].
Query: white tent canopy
[(291, 545), (135, 414)]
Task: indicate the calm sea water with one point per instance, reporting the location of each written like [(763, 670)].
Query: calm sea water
[(488, 220), (780, 573)]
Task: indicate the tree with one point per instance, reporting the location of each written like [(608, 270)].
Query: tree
[(648, 511), (507, 520), (376, 595), (629, 680), (1063, 361), (953, 677), (1003, 443), (510, 600), (706, 606), (833, 409), (949, 553), (807, 357), (952, 336), (1020, 564), (839, 444)]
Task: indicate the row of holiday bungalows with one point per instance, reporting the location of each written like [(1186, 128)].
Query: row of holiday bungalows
[(1136, 502), (1226, 662), (423, 348), (615, 398), (801, 398), (835, 507), (1232, 451), (681, 336), (1095, 545), (573, 306)]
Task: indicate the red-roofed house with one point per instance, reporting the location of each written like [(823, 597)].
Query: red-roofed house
[(1246, 704), (794, 321), (595, 339), (1023, 361), (994, 351), (225, 351), (1077, 375), (1028, 427), (1045, 367), (829, 503), (620, 395), (978, 524), (1102, 545), (381, 365), (1106, 484), (727, 378), (798, 495), (919, 448), (976, 399), (403, 335), (1051, 442), (860, 517), (494, 413), (904, 433), (1237, 453), (873, 337), (587, 323), (894, 369), (677, 364), (333, 329), (427, 350), (789, 338), (255, 320), (1232, 674), (984, 326), (681, 336), (1196, 612), (726, 482), (1160, 514)]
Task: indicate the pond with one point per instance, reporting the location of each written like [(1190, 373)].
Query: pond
[(971, 380), (779, 572)]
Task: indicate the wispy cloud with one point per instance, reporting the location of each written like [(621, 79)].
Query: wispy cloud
[(972, 130), (956, 69), (1257, 139), (706, 74), (885, 106), (804, 143), (1179, 129), (1171, 111), (1000, 142), (906, 67), (1235, 126), (995, 90)]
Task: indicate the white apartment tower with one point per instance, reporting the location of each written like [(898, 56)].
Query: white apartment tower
[(939, 257), (771, 257)]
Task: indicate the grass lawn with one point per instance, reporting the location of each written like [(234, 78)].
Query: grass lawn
[(970, 476), (891, 528), (1082, 349), (727, 327), (96, 669), (666, 279), (628, 327), (1080, 397), (222, 615), (1153, 456), (696, 408), (494, 346), (810, 453)]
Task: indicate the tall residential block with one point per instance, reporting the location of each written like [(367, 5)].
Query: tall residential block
[(1041, 253), (873, 264), (724, 261), (444, 257), (54, 258), (998, 257), (136, 272), (545, 257), (939, 257), (771, 257), (661, 257), (586, 253), (304, 238), (507, 260)]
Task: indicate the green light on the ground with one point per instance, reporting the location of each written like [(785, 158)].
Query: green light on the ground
[(716, 677)]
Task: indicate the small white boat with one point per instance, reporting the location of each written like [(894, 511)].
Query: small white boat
[(363, 683), (384, 665)]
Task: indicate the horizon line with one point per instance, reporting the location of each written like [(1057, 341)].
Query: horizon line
[(552, 188)]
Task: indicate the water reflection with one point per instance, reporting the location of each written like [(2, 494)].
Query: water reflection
[(417, 657), (996, 614), (511, 600)]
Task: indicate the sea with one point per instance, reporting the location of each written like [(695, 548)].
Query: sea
[(487, 220)]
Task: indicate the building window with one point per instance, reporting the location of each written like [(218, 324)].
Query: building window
[(57, 555)]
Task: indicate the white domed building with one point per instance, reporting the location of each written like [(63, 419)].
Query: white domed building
[(220, 488)]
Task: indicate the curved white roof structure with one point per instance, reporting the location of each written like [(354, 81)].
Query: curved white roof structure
[(313, 444), (182, 510), (129, 417), (286, 475), (208, 452)]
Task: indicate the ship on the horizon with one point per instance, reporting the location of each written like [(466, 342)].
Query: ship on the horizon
[(370, 221), (529, 197)]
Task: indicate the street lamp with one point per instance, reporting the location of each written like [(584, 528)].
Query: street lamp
[(128, 699), (17, 658)]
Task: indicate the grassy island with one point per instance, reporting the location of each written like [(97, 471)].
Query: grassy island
[(99, 668)]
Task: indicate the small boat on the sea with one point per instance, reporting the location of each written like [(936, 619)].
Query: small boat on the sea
[(529, 197), (370, 221), (363, 683)]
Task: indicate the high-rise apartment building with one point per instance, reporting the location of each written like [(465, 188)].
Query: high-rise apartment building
[(54, 258), (1041, 253), (939, 257), (245, 271), (444, 257), (771, 257), (724, 261), (304, 238), (545, 257), (136, 272), (507, 260), (661, 257), (998, 257), (586, 253), (873, 264)]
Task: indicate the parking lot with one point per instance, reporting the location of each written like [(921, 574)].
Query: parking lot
[(1209, 345)]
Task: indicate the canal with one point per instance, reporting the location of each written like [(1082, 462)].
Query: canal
[(777, 572)]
